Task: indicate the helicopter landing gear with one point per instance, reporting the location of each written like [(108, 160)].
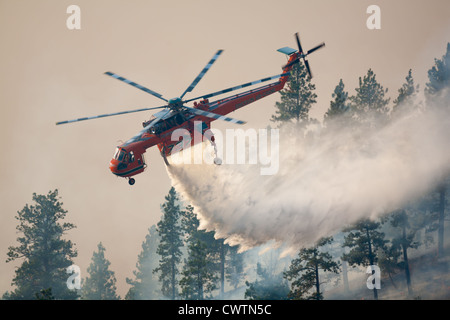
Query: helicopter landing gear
[(131, 181)]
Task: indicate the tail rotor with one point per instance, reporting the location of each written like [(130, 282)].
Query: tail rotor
[(303, 55)]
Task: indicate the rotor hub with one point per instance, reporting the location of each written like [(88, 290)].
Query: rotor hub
[(175, 102)]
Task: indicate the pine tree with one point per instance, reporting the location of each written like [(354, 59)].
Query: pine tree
[(101, 282), (389, 260), (439, 79), (441, 210), (303, 272), (169, 250), (338, 112), (437, 92), (229, 263), (408, 225), (269, 285), (145, 283), (45, 253), (45, 294), (297, 98), (364, 240), (369, 104), (234, 266), (200, 268), (406, 95), (222, 250)]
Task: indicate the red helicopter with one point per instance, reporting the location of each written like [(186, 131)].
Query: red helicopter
[(128, 159)]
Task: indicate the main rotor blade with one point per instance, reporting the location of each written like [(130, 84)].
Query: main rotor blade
[(202, 73), (300, 50), (214, 115), (107, 115), (316, 48), (308, 68), (138, 136), (239, 87), (136, 85)]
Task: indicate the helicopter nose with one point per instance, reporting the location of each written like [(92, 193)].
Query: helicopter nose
[(113, 166)]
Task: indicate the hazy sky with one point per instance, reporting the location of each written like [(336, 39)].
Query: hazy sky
[(49, 73)]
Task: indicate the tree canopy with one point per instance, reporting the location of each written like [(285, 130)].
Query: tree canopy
[(44, 252)]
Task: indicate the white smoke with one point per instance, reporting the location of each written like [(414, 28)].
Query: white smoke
[(327, 180)]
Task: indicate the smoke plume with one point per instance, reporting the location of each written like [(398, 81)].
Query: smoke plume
[(328, 178)]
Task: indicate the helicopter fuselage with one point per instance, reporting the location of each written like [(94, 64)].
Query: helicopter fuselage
[(161, 134)]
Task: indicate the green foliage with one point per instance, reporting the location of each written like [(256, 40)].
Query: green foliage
[(234, 268), (200, 267), (297, 98), (45, 294), (303, 272), (144, 287), (407, 224), (437, 92), (406, 94), (268, 286), (369, 104), (169, 247), (339, 107), (44, 252), (101, 283), (439, 76), (364, 240), (366, 243)]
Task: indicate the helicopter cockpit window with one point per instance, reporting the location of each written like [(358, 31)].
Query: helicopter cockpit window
[(167, 124), (116, 153), (121, 155)]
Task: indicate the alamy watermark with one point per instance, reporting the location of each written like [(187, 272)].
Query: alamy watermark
[(235, 146), (374, 280), (73, 22), (74, 281), (374, 20)]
